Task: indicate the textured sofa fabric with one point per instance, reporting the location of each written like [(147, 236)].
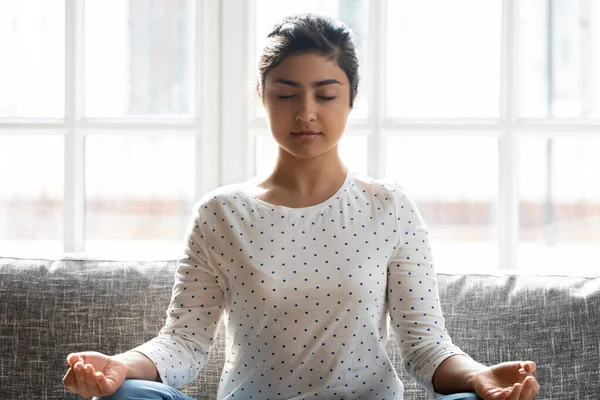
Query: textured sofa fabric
[(50, 308)]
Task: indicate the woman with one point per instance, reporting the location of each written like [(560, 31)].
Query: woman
[(305, 264)]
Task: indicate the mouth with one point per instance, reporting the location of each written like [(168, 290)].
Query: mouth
[(305, 135), (306, 132)]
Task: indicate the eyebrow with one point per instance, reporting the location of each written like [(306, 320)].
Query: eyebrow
[(315, 84)]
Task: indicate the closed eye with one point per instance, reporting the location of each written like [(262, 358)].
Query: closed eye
[(320, 97)]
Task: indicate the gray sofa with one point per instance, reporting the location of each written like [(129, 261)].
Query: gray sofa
[(50, 308)]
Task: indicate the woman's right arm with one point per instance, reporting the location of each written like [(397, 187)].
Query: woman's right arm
[(182, 347), (193, 319)]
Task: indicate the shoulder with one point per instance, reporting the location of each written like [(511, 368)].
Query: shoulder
[(379, 186), (218, 197), (387, 188)]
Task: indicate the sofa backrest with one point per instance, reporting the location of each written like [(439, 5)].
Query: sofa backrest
[(50, 308)]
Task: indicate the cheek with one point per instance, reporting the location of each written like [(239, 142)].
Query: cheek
[(278, 118), (336, 116), (278, 110)]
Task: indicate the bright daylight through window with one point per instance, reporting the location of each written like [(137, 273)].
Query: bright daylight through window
[(102, 135)]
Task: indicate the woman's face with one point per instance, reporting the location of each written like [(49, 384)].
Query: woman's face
[(307, 93)]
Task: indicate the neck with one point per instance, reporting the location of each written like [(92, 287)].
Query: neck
[(307, 177)]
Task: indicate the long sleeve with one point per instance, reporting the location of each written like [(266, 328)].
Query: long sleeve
[(413, 299), (183, 345)]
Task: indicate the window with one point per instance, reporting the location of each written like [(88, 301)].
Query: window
[(443, 64), (102, 145), (143, 65), (559, 59), (487, 113), (33, 35), (32, 182), (558, 136)]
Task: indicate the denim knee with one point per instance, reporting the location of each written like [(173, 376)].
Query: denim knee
[(461, 396), (134, 389)]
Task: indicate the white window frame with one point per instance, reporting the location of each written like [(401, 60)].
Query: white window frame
[(224, 130), (75, 128)]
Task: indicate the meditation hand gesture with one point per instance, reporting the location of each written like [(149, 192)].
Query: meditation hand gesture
[(507, 381), (94, 374)]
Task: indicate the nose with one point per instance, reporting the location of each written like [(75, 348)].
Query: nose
[(307, 110)]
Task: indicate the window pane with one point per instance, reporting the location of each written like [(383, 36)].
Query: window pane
[(32, 59), (454, 182), (138, 58), (560, 205), (352, 12), (352, 150), (139, 194), (31, 199), (443, 59), (559, 59)]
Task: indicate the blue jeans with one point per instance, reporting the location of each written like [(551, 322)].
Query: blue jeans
[(461, 396), (137, 389)]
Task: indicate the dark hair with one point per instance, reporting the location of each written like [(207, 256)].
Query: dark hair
[(308, 32)]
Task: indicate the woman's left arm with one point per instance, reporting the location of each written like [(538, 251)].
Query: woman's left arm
[(417, 321)]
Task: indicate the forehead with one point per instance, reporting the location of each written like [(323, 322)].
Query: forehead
[(306, 69)]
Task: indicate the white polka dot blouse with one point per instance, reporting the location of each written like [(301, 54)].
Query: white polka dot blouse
[(307, 295)]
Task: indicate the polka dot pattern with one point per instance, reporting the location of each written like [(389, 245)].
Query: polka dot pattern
[(308, 296)]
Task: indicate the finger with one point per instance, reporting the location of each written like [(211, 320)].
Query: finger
[(92, 381), (536, 389), (516, 392), (503, 394), (69, 379), (499, 394), (80, 378), (528, 387), (103, 384), (90, 378), (83, 392)]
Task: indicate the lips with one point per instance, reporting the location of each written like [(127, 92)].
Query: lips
[(305, 132), (306, 135)]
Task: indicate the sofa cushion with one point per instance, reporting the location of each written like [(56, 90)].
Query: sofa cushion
[(50, 308)]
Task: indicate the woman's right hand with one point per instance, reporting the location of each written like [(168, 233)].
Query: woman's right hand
[(94, 374)]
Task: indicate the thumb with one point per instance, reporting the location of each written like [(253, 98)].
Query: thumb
[(512, 367), (519, 366), (525, 368), (529, 366), (73, 358)]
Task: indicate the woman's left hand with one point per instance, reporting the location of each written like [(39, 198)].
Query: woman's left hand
[(512, 380)]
